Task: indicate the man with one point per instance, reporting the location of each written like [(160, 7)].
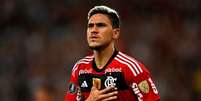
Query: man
[(108, 74)]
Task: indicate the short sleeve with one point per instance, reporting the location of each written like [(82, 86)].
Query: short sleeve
[(143, 85), (73, 89)]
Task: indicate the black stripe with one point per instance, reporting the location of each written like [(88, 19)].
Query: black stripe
[(120, 82)]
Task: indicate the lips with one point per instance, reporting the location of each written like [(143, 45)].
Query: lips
[(94, 38)]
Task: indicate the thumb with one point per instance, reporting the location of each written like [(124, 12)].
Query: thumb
[(97, 83)]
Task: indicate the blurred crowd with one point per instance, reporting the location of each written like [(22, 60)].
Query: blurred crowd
[(40, 40)]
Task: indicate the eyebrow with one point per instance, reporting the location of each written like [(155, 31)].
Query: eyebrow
[(97, 24)]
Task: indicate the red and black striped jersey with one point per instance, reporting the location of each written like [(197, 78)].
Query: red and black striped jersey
[(132, 79)]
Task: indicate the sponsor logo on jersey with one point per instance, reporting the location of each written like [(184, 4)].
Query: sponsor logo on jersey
[(84, 72), (110, 81), (144, 86), (113, 70), (153, 86), (72, 88), (137, 91), (84, 84)]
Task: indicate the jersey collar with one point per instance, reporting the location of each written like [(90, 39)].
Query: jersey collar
[(109, 61)]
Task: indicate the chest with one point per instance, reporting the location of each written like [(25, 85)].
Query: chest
[(113, 75)]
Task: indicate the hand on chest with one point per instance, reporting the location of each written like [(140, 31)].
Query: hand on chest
[(109, 77)]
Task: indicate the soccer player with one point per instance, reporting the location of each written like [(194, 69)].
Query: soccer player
[(108, 74)]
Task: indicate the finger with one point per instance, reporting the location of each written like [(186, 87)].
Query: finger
[(110, 98), (111, 94), (93, 88), (111, 88), (97, 83)]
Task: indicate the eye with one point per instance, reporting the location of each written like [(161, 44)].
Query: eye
[(101, 24), (90, 25)]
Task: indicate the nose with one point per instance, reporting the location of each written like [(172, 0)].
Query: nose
[(94, 30)]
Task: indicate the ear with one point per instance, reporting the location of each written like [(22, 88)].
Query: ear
[(116, 33)]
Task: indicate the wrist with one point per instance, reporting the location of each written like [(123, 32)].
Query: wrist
[(89, 99)]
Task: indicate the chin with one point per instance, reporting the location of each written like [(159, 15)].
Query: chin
[(95, 47)]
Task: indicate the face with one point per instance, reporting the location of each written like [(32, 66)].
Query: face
[(100, 32)]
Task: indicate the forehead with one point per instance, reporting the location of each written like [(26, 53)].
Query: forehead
[(99, 18)]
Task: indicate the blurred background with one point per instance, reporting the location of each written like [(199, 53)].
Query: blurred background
[(40, 40)]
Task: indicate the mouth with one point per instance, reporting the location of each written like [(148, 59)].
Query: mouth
[(93, 38)]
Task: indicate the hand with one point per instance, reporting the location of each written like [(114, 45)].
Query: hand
[(107, 94)]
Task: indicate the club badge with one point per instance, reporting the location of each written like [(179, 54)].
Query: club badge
[(110, 81), (144, 86)]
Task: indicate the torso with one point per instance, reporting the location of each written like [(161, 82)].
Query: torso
[(114, 73)]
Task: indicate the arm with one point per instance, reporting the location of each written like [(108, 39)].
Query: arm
[(72, 89), (143, 86)]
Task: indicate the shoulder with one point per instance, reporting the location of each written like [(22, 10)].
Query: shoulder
[(83, 61), (131, 63)]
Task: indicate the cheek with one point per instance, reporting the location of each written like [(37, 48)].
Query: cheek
[(87, 34), (108, 35)]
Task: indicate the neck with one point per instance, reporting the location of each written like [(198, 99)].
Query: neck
[(102, 56)]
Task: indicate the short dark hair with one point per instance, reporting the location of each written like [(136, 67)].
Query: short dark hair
[(111, 13)]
